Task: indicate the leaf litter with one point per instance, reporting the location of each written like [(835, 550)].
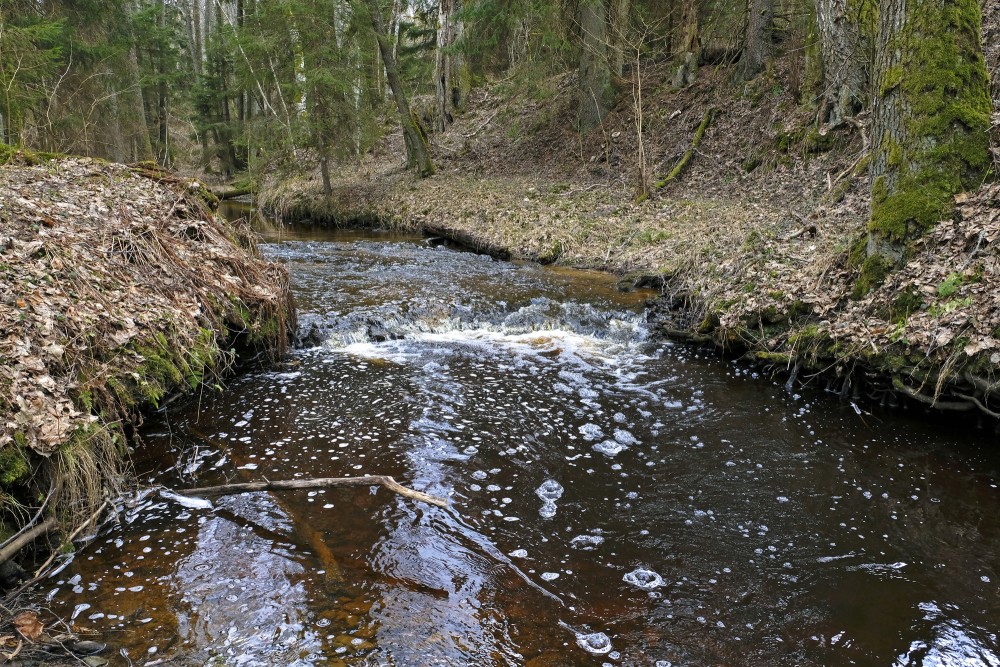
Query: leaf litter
[(109, 272)]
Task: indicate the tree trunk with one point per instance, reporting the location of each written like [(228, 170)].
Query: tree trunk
[(418, 157), (689, 30), (451, 73), (757, 48), (931, 116), (161, 90), (846, 54), (620, 37), (134, 113), (596, 94)]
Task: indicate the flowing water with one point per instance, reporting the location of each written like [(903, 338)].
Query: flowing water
[(613, 499)]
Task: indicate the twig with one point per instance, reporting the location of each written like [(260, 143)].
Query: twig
[(316, 483), (71, 537), (485, 123), (38, 514)]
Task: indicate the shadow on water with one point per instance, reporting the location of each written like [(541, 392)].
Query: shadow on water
[(613, 499)]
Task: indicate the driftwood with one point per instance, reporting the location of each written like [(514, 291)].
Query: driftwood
[(316, 483)]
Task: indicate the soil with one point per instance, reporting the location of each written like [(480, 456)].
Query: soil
[(751, 244)]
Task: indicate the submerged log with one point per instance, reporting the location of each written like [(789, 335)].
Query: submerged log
[(316, 483)]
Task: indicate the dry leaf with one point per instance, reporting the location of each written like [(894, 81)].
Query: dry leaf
[(28, 626)]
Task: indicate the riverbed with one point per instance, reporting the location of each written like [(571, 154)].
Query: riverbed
[(613, 498)]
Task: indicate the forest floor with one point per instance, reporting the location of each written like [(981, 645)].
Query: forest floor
[(751, 246)]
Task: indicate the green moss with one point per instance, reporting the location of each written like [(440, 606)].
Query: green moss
[(905, 304), (942, 81), (873, 272), (9, 154), (949, 286), (709, 323), (14, 465), (783, 358)]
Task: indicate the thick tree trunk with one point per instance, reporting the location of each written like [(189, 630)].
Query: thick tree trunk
[(689, 30), (619, 34), (134, 114), (845, 48), (451, 72), (596, 94), (931, 115), (757, 48), (418, 157)]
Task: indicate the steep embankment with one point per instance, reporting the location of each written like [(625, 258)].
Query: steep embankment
[(118, 289), (755, 243)]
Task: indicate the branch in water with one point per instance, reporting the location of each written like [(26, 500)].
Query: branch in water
[(316, 483)]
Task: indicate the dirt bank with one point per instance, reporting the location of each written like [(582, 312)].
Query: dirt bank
[(118, 289)]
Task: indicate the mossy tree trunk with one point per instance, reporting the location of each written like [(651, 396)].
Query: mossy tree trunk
[(689, 30), (843, 26), (418, 156), (595, 94), (931, 116), (758, 44)]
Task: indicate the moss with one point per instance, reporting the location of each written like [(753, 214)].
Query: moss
[(820, 143), (783, 358), (873, 273), (905, 304), (14, 465), (709, 323), (9, 154), (942, 80), (949, 286)]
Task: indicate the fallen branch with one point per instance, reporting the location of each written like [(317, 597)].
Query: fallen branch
[(231, 192), (26, 538), (317, 483), (689, 153)]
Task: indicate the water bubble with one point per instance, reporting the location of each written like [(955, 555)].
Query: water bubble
[(586, 542), (647, 580), (625, 438), (519, 553), (550, 576), (597, 643), (591, 432), (609, 448), (550, 490)]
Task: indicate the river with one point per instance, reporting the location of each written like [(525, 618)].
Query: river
[(613, 499)]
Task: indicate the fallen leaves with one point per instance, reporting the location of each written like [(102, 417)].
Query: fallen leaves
[(90, 268), (28, 626)]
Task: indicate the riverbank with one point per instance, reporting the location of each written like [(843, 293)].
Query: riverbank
[(756, 244), (120, 290)]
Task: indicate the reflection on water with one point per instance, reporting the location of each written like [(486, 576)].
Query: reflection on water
[(614, 500)]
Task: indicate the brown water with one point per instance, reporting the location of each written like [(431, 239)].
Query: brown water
[(613, 500)]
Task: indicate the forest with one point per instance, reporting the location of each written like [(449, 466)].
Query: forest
[(804, 192)]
